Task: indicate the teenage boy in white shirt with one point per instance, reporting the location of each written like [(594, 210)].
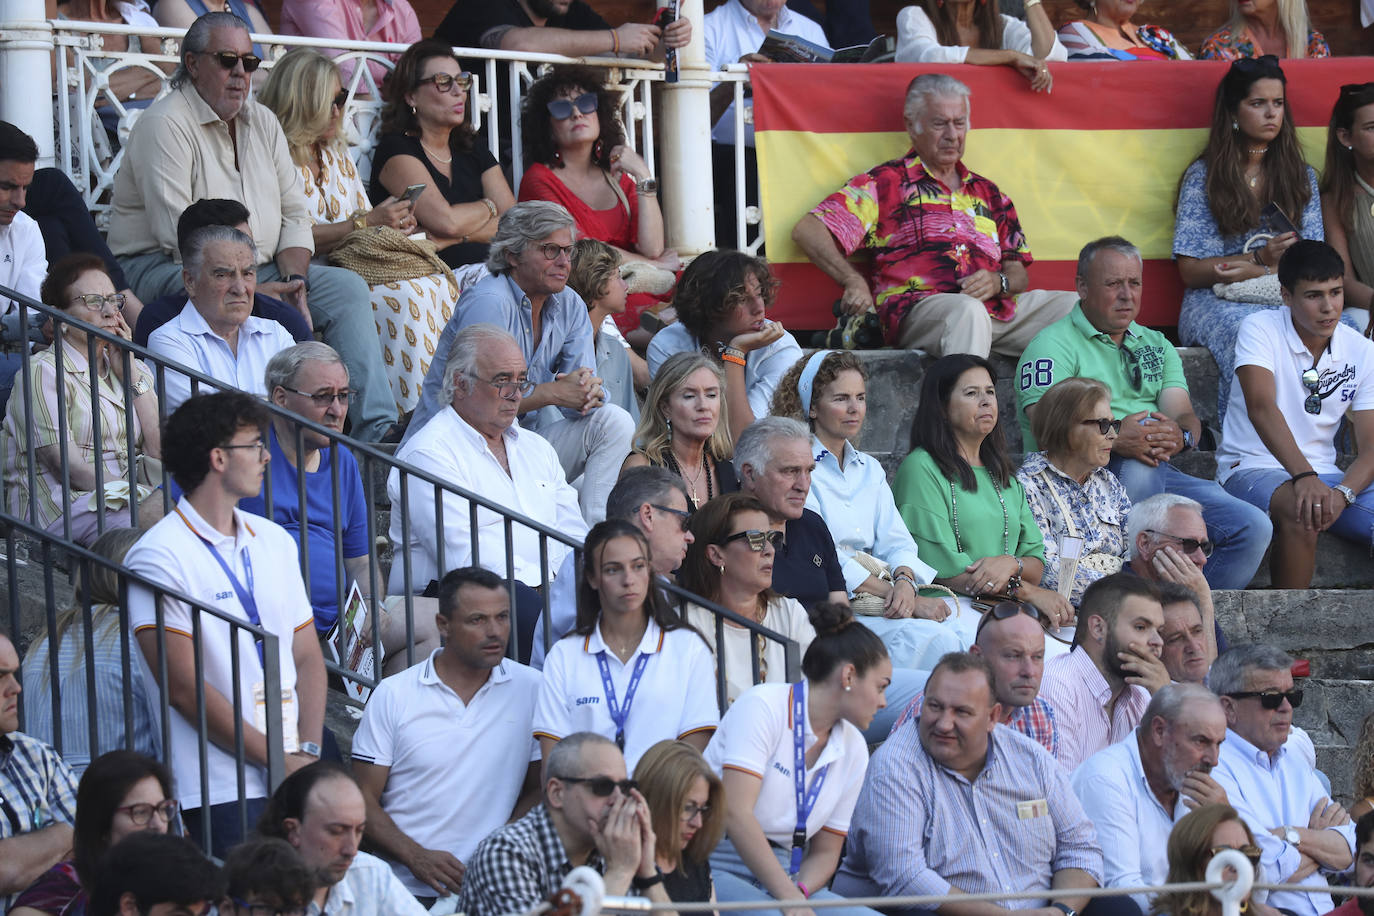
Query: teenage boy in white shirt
[(1299, 374)]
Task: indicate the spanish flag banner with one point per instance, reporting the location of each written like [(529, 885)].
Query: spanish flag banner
[(1100, 155)]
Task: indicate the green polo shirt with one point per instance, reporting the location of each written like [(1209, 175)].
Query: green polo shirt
[(1073, 347)]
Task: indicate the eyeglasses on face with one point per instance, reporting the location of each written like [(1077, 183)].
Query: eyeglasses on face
[(97, 303), (258, 444), (1003, 610), (1270, 699), (1104, 424), (324, 398), (507, 388), (142, 812), (445, 82), (601, 786), (266, 909), (551, 252), (682, 514), (691, 811), (1250, 851), (340, 100), (1188, 544), (562, 109), (227, 60), (755, 538)]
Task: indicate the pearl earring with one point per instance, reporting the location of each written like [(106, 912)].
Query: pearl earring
[(721, 567), (846, 688), (1235, 125)]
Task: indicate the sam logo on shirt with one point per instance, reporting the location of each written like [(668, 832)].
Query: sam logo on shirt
[(782, 769), (586, 701), (223, 596)]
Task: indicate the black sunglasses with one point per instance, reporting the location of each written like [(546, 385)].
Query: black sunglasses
[(683, 515), (1132, 360), (1270, 699), (602, 786), (755, 538), (340, 100), (227, 60), (1311, 380), (1003, 610), (1188, 544), (1264, 65), (1103, 424), (562, 109)]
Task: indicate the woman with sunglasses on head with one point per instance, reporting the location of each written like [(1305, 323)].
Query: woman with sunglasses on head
[(1070, 491), (631, 670), (684, 427), (1196, 838), (958, 496), (1256, 27), (1347, 190), (121, 793), (79, 287), (792, 758), (687, 805), (427, 139)]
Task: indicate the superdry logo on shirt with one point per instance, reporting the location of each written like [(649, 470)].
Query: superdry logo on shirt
[(1333, 378)]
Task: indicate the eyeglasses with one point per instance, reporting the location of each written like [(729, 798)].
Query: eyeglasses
[(143, 812), (1104, 424), (550, 251), (324, 398), (227, 59), (259, 445), (267, 909), (682, 514), (692, 811), (96, 302), (1270, 699), (1004, 610), (562, 109), (445, 82), (1311, 380), (507, 388), (1250, 851), (602, 786), (1188, 544), (340, 100), (756, 538)]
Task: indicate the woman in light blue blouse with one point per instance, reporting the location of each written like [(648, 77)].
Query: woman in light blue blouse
[(849, 489)]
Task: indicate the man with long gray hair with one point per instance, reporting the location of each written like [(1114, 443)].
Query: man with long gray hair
[(528, 296)]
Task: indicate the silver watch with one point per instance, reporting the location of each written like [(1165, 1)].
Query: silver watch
[(310, 748), (1291, 836), (1345, 491)]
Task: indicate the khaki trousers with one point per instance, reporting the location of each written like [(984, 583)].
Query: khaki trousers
[(954, 323)]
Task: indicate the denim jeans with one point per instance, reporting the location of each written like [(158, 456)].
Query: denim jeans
[(1257, 485), (1240, 531), (734, 882)]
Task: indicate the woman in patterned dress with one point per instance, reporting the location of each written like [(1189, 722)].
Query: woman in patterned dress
[(306, 93), (1258, 27)]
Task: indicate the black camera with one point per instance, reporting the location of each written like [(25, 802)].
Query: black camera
[(851, 332)]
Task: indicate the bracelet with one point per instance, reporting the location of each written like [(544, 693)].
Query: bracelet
[(358, 218), (1029, 4), (615, 42), (805, 891), (491, 206), (1297, 477), (907, 578), (732, 355), (647, 186), (1020, 567)]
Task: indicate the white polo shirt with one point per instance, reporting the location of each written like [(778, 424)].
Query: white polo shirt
[(23, 260), (188, 339), (1268, 340), (675, 698), (171, 553), (784, 615), (755, 737), (440, 749)]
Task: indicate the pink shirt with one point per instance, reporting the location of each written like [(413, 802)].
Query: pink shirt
[(1083, 712), (343, 20)]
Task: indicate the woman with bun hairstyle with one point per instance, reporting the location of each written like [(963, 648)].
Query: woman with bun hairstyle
[(781, 740)]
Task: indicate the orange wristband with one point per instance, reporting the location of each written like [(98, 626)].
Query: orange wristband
[(732, 358)]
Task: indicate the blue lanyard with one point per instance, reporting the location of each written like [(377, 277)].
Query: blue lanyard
[(805, 800), (245, 595), (620, 715)]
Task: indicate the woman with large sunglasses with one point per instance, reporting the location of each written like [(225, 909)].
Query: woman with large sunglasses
[(427, 139), (1195, 839), (631, 670), (793, 758), (1070, 491), (1347, 189), (121, 793)]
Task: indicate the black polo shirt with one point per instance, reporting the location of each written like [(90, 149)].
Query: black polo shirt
[(806, 566)]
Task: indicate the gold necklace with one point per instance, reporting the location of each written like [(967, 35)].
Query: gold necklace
[(435, 155)]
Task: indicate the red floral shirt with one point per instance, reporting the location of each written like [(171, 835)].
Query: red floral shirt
[(925, 237)]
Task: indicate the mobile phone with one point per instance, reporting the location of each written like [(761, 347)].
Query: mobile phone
[(1273, 218), (667, 15), (412, 193)]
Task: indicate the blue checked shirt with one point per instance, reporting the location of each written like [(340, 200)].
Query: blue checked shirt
[(37, 790), (1035, 721)]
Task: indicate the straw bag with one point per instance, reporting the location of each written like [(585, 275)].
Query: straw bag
[(1105, 563), (380, 254), (866, 604)]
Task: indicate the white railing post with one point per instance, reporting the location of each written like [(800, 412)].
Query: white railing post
[(26, 49), (685, 127)]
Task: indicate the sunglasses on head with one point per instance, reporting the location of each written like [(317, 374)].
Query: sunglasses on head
[(1188, 544), (1103, 424), (1004, 610), (602, 786), (562, 109), (227, 59), (1270, 699), (1257, 66), (1250, 851), (755, 538)]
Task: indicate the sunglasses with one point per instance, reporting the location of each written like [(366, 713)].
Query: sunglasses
[(340, 100), (683, 515), (1132, 360), (1270, 699), (227, 60), (142, 813), (1250, 852), (1003, 610), (562, 109), (1258, 66), (602, 786), (1188, 544), (1104, 424), (1311, 380), (445, 82), (755, 538)]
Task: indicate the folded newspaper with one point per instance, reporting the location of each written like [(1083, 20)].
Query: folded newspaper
[(793, 49), (350, 642)]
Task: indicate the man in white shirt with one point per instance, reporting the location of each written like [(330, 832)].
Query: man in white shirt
[(1136, 789), (1302, 835), (216, 333), (247, 568), (451, 728), (475, 443), (23, 259), (320, 810), (1167, 542), (1099, 690), (1299, 373)]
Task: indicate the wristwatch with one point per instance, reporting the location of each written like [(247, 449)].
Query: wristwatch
[(1006, 284), (305, 282), (310, 748), (1291, 836), (1345, 491), (1064, 908), (1187, 441), (643, 884), (145, 384), (647, 186)]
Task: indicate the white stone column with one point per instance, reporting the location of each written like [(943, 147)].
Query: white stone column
[(26, 49), (685, 129)]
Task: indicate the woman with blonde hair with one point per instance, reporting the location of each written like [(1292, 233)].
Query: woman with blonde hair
[(1364, 770), (1259, 27), (1195, 839), (687, 807), (684, 427), (306, 92), (976, 32)]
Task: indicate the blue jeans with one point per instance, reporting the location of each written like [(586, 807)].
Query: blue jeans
[(1240, 532), (226, 825), (1257, 486), (734, 882)]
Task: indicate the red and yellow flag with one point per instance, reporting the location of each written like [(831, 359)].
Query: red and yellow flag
[(1101, 155)]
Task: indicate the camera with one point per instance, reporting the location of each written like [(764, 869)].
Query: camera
[(851, 332)]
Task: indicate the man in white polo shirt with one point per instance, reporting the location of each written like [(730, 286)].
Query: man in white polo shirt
[(247, 568), (1300, 373), (451, 728)]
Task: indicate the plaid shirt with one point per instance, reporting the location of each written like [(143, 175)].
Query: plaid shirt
[(37, 790), (1035, 721), (518, 866)]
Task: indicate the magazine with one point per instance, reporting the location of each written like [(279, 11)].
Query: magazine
[(793, 49), (350, 642)]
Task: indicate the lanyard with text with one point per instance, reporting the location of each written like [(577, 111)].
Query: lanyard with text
[(805, 800), (245, 595), (621, 713)]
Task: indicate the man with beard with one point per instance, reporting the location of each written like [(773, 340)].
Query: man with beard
[(1364, 869), (319, 810), (1100, 689), (1135, 790)]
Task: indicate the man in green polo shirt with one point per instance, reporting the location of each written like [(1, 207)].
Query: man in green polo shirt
[(1100, 339)]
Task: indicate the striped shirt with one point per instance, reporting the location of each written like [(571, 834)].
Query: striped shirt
[(920, 828), (1035, 721), (1082, 700), (37, 790)]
